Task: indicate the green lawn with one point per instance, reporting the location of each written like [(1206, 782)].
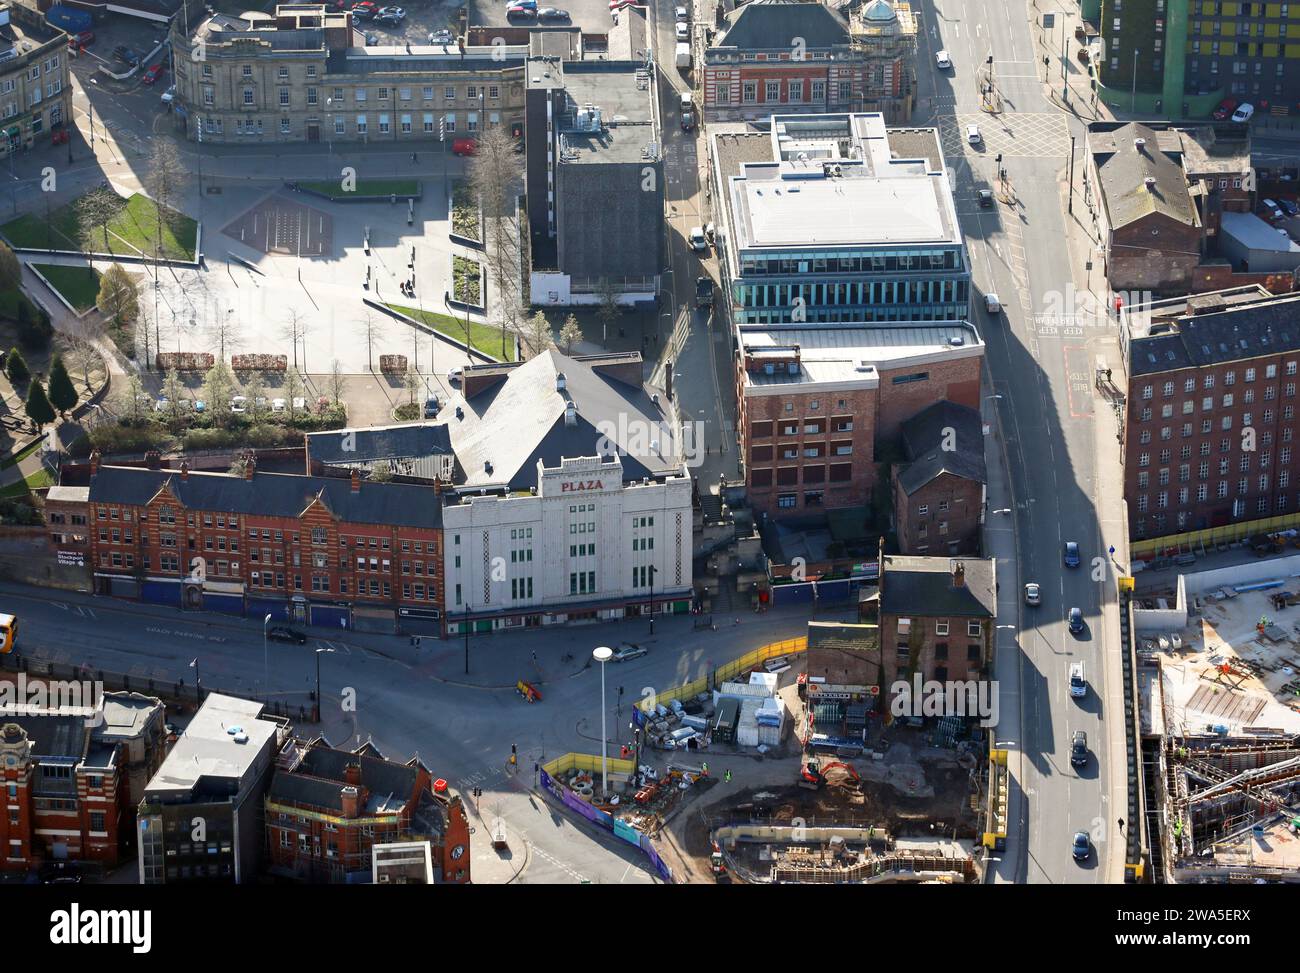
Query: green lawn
[(16, 458), (9, 301), (78, 285), (482, 337), (133, 231), (20, 488), (365, 187)]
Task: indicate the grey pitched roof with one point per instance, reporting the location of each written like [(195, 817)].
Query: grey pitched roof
[(319, 779), (501, 432), (924, 436), (1235, 333), (773, 25), (923, 586), (1124, 174), (272, 495), (379, 443)]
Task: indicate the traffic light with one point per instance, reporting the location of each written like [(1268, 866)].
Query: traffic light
[(513, 750)]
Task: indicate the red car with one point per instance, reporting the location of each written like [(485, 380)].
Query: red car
[(84, 39), (59, 136), (153, 74), (1225, 109), (463, 147)]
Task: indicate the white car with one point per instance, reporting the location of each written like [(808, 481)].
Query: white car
[(680, 14), (162, 405), (456, 374), (1033, 595), (683, 31), (942, 60), (442, 36), (1244, 112), (1078, 681), (698, 241), (239, 403), (169, 95), (278, 405), (992, 304), (973, 135), (299, 402)]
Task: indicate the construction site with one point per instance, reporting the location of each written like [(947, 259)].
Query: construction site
[(1219, 694)]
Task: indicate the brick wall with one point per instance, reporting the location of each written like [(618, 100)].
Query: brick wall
[(952, 507)]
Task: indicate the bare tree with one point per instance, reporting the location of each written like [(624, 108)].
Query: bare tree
[(366, 326), (95, 211), (337, 383), (293, 388), (255, 389), (173, 390), (165, 181), (224, 333), (411, 382), (83, 355), (495, 171), (608, 310), (570, 333), (295, 330), (537, 333), (130, 401)]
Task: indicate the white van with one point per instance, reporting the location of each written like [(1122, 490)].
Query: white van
[(992, 304), (1078, 682), (683, 57)]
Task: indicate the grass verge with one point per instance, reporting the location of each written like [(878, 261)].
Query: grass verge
[(482, 337)]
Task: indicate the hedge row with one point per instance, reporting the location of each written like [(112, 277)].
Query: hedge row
[(260, 363), (185, 361), (392, 364)]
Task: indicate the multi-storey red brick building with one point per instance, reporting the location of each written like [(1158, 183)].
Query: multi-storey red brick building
[(939, 491), (1210, 423), (326, 809), (67, 779), (325, 550), (773, 57), (814, 402)]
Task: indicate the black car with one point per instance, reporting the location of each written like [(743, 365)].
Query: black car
[(1082, 847), (124, 53), (1079, 749), (282, 633), (1076, 621), (986, 198), (431, 407), (552, 13)]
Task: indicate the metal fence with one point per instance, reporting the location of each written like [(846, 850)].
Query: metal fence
[(727, 671), (1211, 537)]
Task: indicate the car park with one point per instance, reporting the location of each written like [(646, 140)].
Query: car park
[(697, 239), (943, 60), (1081, 847), (283, 633), (1071, 554), (973, 135), (552, 13), (1076, 621), (126, 55), (628, 652), (1079, 749), (1244, 113), (1033, 595)]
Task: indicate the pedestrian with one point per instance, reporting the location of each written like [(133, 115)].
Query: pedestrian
[(705, 770), (1121, 825), (727, 777)]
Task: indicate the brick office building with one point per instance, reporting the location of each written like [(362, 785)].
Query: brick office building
[(814, 403), (1210, 423), (325, 550), (326, 809), (68, 779), (936, 616), (939, 491)]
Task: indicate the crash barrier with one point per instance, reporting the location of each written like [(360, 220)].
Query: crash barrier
[(551, 774), (725, 672), (999, 780), (1134, 844)]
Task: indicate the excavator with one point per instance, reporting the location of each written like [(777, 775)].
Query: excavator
[(718, 866), (812, 774)]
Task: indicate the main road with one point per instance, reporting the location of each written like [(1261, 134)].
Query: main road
[(1041, 367)]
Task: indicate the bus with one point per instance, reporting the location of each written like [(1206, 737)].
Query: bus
[(8, 633)]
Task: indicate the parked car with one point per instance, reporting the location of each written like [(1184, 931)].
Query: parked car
[(239, 403), (1082, 847), (532, 4), (463, 147), (1033, 595), (683, 31), (1244, 113), (390, 15), (365, 10), (552, 13), (169, 95), (299, 402), (1076, 621), (1225, 109), (942, 60), (443, 36), (283, 633), (1289, 207), (162, 405), (1071, 554), (431, 407), (518, 12), (973, 135), (456, 374), (681, 14), (153, 73), (1270, 210), (628, 652), (986, 198), (83, 39), (126, 55), (278, 405), (1079, 749), (698, 241)]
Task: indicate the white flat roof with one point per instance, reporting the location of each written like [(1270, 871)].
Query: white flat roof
[(867, 210)]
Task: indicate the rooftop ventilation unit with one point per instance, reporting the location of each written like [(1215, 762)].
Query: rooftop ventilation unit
[(1138, 143), (1149, 182)]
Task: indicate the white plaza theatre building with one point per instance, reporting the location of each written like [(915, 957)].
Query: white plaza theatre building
[(572, 495)]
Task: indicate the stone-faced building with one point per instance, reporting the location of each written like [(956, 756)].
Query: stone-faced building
[(937, 617), (939, 490), (327, 809), (35, 85)]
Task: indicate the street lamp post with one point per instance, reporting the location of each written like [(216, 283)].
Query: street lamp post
[(652, 599), (603, 655), (465, 626), (319, 653), (266, 665)]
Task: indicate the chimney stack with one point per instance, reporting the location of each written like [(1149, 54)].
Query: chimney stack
[(185, 470), (352, 774), (351, 801), (94, 462), (153, 459), (570, 414), (356, 480), (250, 465), (958, 575)]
